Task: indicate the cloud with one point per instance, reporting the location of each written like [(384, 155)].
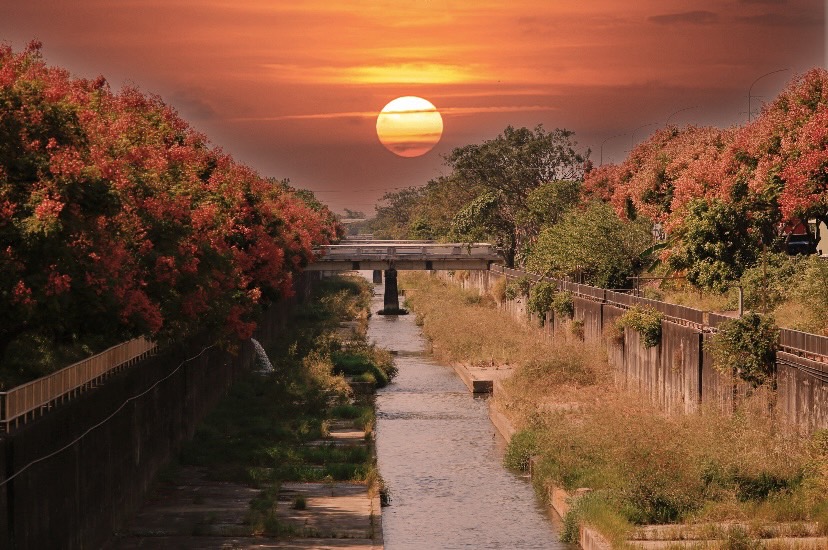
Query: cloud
[(688, 17), (392, 73), (779, 20), (444, 111), (193, 106)]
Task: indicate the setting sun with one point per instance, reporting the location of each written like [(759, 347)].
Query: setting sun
[(409, 126)]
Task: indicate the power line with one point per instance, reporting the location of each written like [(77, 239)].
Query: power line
[(104, 421)]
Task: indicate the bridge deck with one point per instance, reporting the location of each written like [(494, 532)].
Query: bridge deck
[(404, 255)]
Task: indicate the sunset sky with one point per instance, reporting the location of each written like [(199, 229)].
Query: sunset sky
[(293, 89)]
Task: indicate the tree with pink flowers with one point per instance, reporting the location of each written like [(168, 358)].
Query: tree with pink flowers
[(117, 219)]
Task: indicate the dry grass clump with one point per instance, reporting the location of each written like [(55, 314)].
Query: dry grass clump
[(654, 468), (465, 327)]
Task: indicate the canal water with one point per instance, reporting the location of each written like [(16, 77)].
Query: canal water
[(441, 457)]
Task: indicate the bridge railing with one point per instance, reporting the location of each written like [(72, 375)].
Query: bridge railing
[(391, 250), (29, 400)]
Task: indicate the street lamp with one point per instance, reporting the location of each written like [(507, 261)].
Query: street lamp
[(750, 96), (679, 111), (602, 146), (632, 137)]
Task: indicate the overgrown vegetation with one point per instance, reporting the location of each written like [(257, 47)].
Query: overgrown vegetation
[(593, 246), (646, 321), (517, 288), (259, 433), (562, 304), (541, 297), (747, 347)]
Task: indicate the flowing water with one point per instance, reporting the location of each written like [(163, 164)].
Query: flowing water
[(441, 458), (262, 360)]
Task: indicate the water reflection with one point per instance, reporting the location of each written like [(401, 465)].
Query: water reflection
[(441, 458)]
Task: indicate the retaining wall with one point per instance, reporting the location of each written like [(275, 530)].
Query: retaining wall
[(81, 470), (677, 374)]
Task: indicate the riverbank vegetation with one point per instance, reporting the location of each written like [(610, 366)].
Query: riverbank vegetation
[(641, 466), (273, 427), (118, 220)]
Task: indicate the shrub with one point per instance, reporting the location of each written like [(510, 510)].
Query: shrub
[(591, 244), (646, 321), (812, 292), (517, 288), (769, 282), (522, 447), (562, 304), (747, 347), (541, 297), (366, 362)]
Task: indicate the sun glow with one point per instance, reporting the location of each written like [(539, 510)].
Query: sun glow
[(409, 126)]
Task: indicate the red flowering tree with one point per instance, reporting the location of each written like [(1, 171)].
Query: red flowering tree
[(771, 172), (118, 219)]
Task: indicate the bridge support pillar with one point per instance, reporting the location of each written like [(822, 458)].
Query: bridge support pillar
[(377, 276), (392, 297)]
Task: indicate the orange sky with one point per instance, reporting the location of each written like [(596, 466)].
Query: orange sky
[(293, 88)]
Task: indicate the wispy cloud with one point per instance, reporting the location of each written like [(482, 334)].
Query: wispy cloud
[(444, 111), (392, 73), (686, 18)]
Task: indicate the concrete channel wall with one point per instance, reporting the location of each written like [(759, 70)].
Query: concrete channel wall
[(81, 470), (678, 373)]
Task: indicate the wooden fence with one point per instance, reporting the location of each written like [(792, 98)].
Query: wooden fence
[(29, 400)]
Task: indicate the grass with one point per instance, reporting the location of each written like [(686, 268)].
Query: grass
[(260, 432), (642, 465), (442, 310)]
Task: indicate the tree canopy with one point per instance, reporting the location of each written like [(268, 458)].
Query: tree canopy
[(506, 170), (591, 245), (117, 219)]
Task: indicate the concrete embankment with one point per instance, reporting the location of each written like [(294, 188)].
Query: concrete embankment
[(481, 380), (796, 535), (196, 512)]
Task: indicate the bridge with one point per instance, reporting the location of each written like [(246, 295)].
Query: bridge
[(405, 255), (390, 256)]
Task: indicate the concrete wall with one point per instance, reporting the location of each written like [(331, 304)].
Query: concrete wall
[(83, 469), (591, 315), (678, 374), (802, 392)]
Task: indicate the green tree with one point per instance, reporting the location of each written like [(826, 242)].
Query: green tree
[(716, 242), (354, 214), (547, 203), (396, 213), (506, 170), (593, 245)]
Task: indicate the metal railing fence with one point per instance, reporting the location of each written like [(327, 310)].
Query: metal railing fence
[(31, 399), (792, 341)]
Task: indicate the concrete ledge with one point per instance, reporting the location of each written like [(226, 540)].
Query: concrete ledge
[(501, 421), (481, 379), (590, 539), (794, 543), (559, 500)]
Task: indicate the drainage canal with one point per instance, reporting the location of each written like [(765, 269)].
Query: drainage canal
[(441, 458)]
